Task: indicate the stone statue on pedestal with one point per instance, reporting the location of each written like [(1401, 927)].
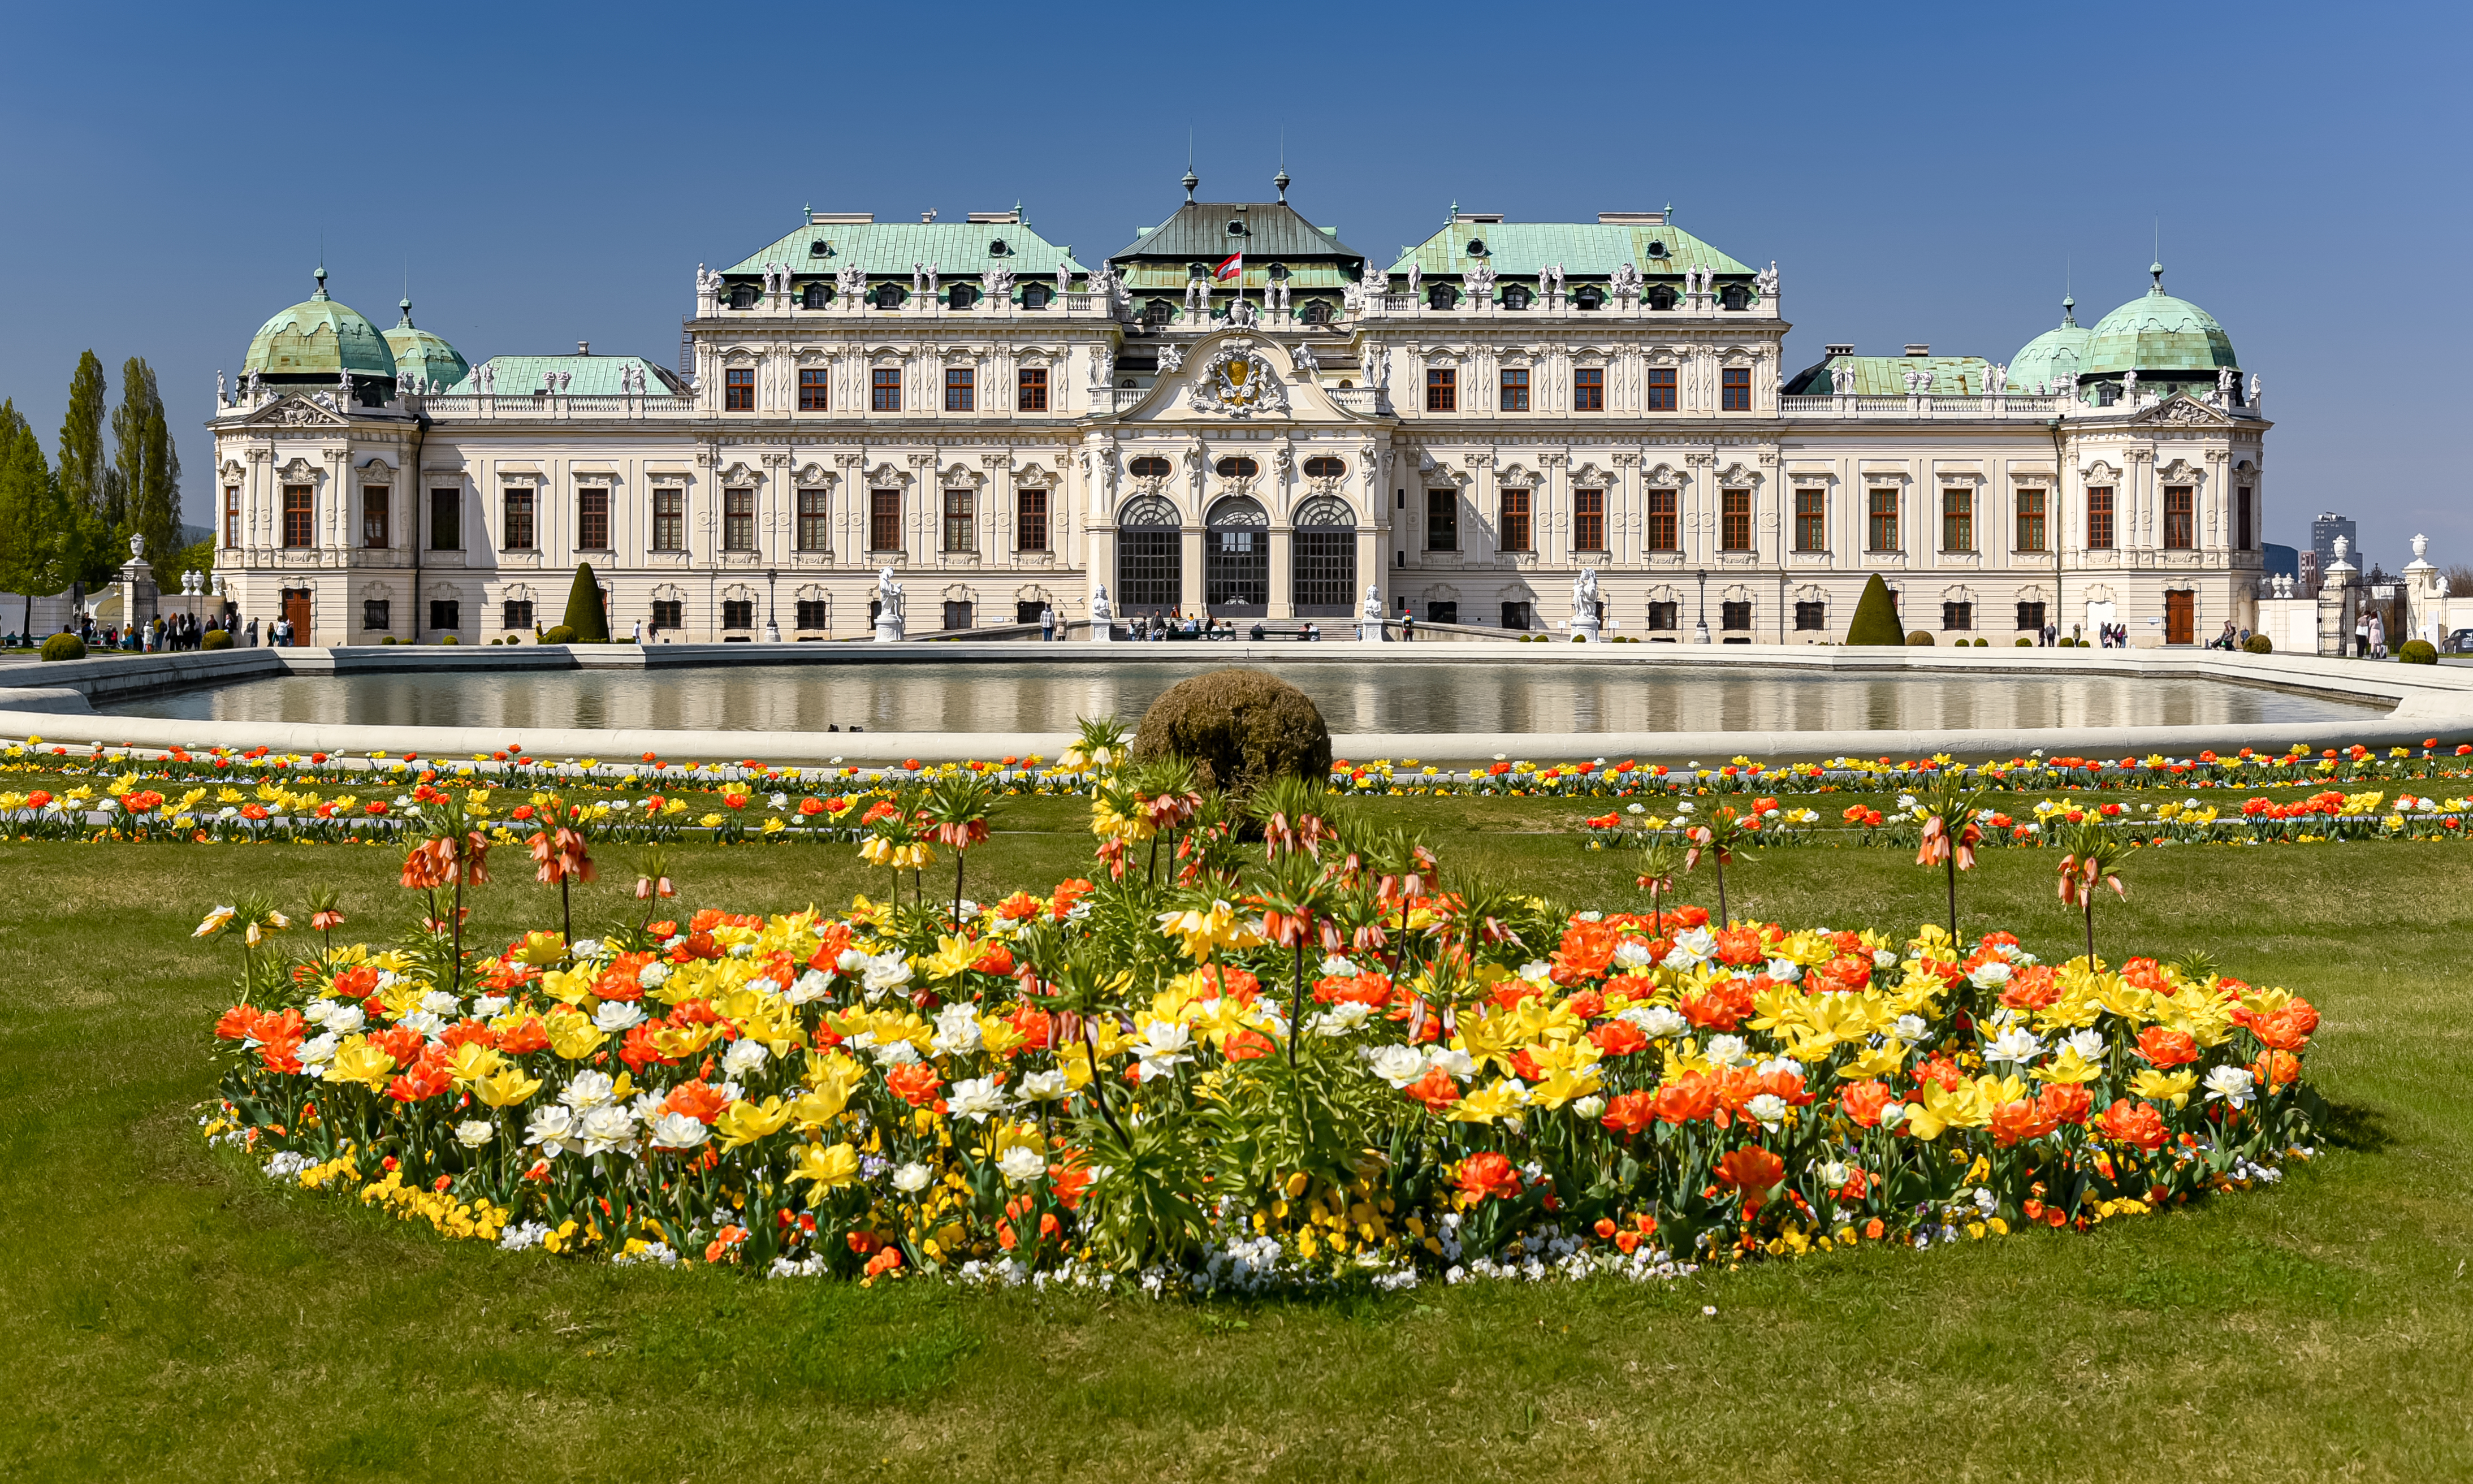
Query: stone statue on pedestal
[(1584, 604), (1369, 623), (888, 607), (1103, 616)]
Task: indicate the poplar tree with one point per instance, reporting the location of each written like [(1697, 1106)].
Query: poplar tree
[(84, 539), (142, 489)]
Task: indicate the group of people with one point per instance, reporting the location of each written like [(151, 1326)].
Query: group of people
[(2371, 635), (164, 633), (1159, 626)]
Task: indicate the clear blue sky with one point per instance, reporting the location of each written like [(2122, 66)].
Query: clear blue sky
[(551, 174)]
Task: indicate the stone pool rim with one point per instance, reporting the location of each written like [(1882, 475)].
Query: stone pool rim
[(2415, 702)]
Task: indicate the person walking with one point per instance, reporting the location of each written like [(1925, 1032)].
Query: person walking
[(2362, 636), (1047, 623), (1407, 623), (2378, 634)]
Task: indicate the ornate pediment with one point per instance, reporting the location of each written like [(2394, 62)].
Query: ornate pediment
[(1238, 381), (299, 411)]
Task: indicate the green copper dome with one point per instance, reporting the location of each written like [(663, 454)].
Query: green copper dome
[(2156, 332), (427, 359), (319, 338), (2053, 357)]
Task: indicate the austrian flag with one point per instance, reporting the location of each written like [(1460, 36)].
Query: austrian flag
[(1231, 268)]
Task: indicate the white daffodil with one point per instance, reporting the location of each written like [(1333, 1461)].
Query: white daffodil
[(1021, 1165)]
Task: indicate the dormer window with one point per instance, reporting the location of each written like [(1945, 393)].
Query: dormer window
[(1661, 297), (1735, 295), (1278, 271), (816, 296), (742, 295), (1440, 295), (1590, 296), (889, 295), (1036, 295), (1157, 312), (961, 296), (1515, 297), (1318, 312)]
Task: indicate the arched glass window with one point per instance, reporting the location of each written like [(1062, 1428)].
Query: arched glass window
[(1317, 311), (1236, 469), (1236, 556), (1735, 295), (1150, 556), (1590, 296), (816, 296), (1149, 465), (1440, 295), (1515, 297), (962, 296), (1661, 297), (889, 295), (1322, 582), (1036, 295), (743, 296), (1325, 467)]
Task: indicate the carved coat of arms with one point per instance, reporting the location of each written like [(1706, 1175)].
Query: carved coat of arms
[(1239, 382)]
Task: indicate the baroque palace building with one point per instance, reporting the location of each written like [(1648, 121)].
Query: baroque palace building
[(1466, 430)]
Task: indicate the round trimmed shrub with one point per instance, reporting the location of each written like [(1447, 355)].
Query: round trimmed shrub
[(1876, 616), (559, 633), (214, 638), (1920, 639), (2026, 644), (389, 639), (2259, 644), (63, 646), (2417, 652), (1240, 727), (450, 639)]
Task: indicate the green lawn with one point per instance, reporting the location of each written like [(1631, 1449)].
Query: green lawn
[(166, 1313)]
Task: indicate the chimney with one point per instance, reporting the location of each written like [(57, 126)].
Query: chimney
[(584, 348), (1918, 349), (1833, 352)]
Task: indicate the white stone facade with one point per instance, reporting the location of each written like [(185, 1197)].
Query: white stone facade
[(767, 498)]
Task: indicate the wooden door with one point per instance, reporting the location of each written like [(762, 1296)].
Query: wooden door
[(2179, 617), (295, 613)]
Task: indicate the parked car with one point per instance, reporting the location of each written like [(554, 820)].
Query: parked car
[(2460, 642)]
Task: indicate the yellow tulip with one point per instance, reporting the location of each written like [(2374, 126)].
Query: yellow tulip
[(830, 1167), (2067, 1066), (472, 1061), (357, 1060), (2159, 1087), (505, 1088), (744, 1123)]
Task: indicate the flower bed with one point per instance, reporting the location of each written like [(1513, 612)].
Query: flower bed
[(1315, 1069)]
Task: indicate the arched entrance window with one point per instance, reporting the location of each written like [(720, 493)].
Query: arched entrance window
[(1237, 559), (1323, 577), (1150, 559)]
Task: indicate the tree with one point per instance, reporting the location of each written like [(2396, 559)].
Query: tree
[(1876, 616), (143, 489), (586, 613), (29, 514), (82, 543)]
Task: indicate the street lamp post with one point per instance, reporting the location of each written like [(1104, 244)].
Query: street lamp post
[(1700, 626)]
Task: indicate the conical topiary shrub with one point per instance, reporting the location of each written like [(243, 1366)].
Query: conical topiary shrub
[(585, 613), (1876, 616)]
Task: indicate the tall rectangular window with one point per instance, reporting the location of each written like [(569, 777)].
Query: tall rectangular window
[(446, 521), (1663, 529), (2031, 617), (961, 389), (671, 519), (2240, 519), (1442, 520), (517, 530), (1030, 388), (1515, 389), (738, 612), (961, 522), (376, 615), (1811, 617), (299, 517), (1735, 519), (1030, 520), (886, 394), (1811, 520), (1442, 390), (813, 613), (738, 520), (1881, 521), (2099, 535), (815, 530), (2030, 522), (1735, 391), (1589, 388), (815, 389), (669, 615), (592, 519), (884, 520), (1588, 520), (1664, 617), (1736, 615), (1958, 519), (738, 389), (232, 514), (1511, 521), (1661, 388), (2180, 518), (446, 614), (516, 613), (376, 500), (1958, 615)]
